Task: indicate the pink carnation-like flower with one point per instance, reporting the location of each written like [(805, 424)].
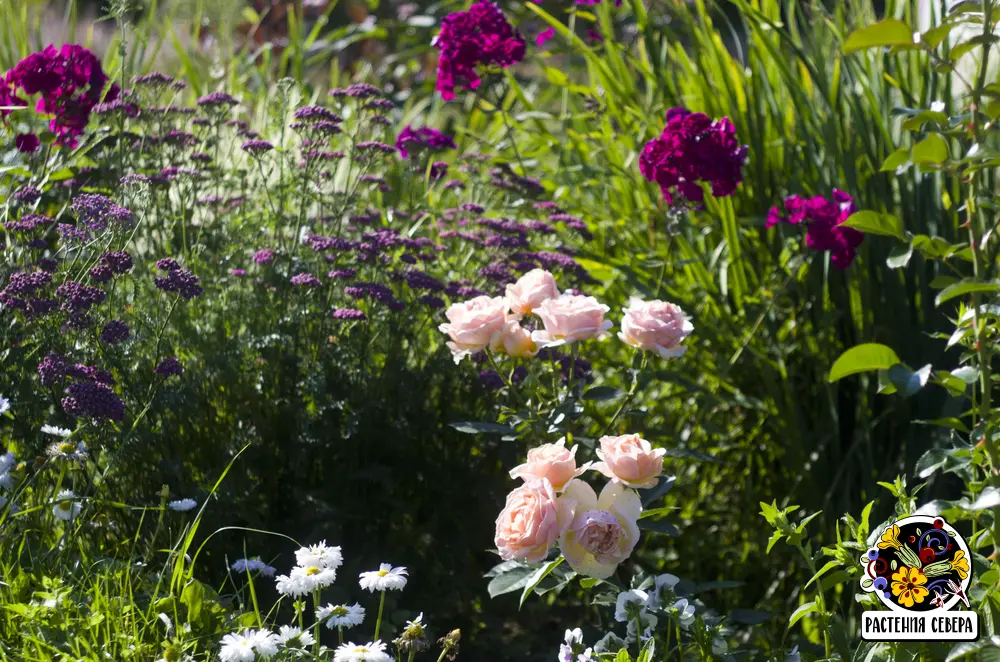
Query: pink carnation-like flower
[(630, 460), (655, 326), (569, 318), (479, 36), (823, 220), (553, 462), (472, 324), (693, 149), (530, 523)]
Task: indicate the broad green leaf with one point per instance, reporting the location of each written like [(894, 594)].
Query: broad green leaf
[(988, 498), (602, 393), (898, 159), (863, 358), (479, 427), (967, 286), (890, 32), (623, 656), (804, 609), (899, 256), (510, 581), (822, 571), (931, 150), (537, 578), (871, 222)]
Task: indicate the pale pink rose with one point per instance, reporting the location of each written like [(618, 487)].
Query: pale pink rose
[(473, 323), (603, 530), (530, 523), (553, 462), (630, 460), (531, 290), (569, 318), (655, 326), (515, 341)]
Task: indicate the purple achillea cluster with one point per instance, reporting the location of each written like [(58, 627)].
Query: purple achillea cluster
[(492, 380), (257, 147), (169, 367), (26, 195), (94, 400), (342, 274), (823, 220), (305, 280), (348, 314), (177, 280), (479, 36), (376, 291), (96, 211), (316, 114), (115, 332), (423, 138), (264, 256), (27, 223), (78, 298), (216, 100), (69, 81), (21, 290), (153, 79), (693, 149)]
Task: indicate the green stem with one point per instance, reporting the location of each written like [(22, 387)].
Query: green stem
[(316, 624), (378, 622), (629, 397)]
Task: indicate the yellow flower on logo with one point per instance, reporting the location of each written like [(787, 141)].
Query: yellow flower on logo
[(908, 585), (960, 564), (890, 538)]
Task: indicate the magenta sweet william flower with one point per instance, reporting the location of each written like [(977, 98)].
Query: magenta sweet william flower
[(824, 220), (423, 138), (26, 143), (544, 36), (70, 83), (693, 149), (479, 36)]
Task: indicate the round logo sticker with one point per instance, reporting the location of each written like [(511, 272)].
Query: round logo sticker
[(918, 564)]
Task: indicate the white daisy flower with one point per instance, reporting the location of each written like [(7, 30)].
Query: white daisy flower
[(4, 405), (65, 508), (313, 577), (264, 642), (319, 556), (291, 585), (56, 431), (293, 637), (386, 578), (236, 648), (414, 629), (7, 460), (182, 505), (253, 565), (67, 450), (625, 598), (370, 652), (341, 616)]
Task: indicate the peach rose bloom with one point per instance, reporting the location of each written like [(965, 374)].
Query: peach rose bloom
[(630, 460), (531, 290), (515, 341), (472, 324), (655, 326), (603, 530), (530, 523), (568, 318), (553, 462)]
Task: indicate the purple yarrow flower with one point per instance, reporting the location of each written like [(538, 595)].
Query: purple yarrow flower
[(348, 314), (361, 91), (316, 113), (432, 302), (263, 256), (375, 146), (180, 281), (26, 195), (305, 280), (101, 273), (257, 147), (342, 274), (78, 298), (237, 273), (216, 100), (153, 79), (169, 367), (115, 332), (93, 400), (167, 264), (134, 179), (120, 262), (422, 138)]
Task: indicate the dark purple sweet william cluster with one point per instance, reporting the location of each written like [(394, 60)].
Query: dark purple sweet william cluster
[(694, 149), (479, 36), (69, 82), (824, 220)]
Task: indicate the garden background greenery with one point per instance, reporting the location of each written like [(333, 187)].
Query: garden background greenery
[(289, 424)]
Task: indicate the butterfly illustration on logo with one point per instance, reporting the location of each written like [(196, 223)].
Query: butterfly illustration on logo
[(957, 590)]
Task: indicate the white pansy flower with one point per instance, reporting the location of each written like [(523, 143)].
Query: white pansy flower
[(625, 598)]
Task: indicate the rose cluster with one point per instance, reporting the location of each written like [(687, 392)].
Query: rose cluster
[(693, 149), (594, 532), (69, 82), (499, 323), (479, 36), (824, 224)]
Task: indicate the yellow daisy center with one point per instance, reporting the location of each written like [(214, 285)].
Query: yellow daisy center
[(67, 448), (340, 611), (383, 573), (312, 571)]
